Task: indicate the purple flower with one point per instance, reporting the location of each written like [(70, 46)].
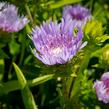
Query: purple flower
[(56, 43), (10, 21), (102, 88), (77, 13)]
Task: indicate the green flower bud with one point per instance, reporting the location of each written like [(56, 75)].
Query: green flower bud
[(93, 29), (94, 32)]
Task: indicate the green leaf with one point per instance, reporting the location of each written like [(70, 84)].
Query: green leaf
[(9, 86), (102, 38), (28, 29), (14, 47), (99, 52), (40, 80), (62, 3), (15, 85), (20, 76), (28, 98)]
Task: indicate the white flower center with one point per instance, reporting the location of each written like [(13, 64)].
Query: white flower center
[(57, 51)]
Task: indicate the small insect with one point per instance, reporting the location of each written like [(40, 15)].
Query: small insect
[(75, 31)]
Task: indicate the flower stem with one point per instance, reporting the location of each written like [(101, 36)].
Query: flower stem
[(29, 13), (76, 82), (22, 54), (92, 5)]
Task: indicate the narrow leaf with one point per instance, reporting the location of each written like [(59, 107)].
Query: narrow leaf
[(102, 38), (62, 3), (13, 85), (40, 80), (20, 76), (28, 98)]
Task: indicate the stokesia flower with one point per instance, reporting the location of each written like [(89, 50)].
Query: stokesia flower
[(10, 21), (102, 88), (79, 15), (56, 43)]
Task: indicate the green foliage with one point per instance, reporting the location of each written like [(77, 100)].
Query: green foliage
[(3, 54), (15, 85), (26, 93), (103, 55)]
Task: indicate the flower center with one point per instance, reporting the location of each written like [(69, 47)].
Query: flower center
[(57, 51), (77, 16)]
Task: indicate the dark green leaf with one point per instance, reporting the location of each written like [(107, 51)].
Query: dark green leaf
[(3, 54)]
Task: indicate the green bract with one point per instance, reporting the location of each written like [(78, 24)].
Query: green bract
[(94, 32)]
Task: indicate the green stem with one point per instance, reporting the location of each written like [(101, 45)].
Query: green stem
[(70, 82), (92, 5), (76, 85), (22, 53), (29, 13)]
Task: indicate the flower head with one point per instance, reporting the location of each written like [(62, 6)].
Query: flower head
[(56, 43), (77, 13), (102, 88), (10, 21)]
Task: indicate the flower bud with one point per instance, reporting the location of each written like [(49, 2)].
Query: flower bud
[(93, 29)]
